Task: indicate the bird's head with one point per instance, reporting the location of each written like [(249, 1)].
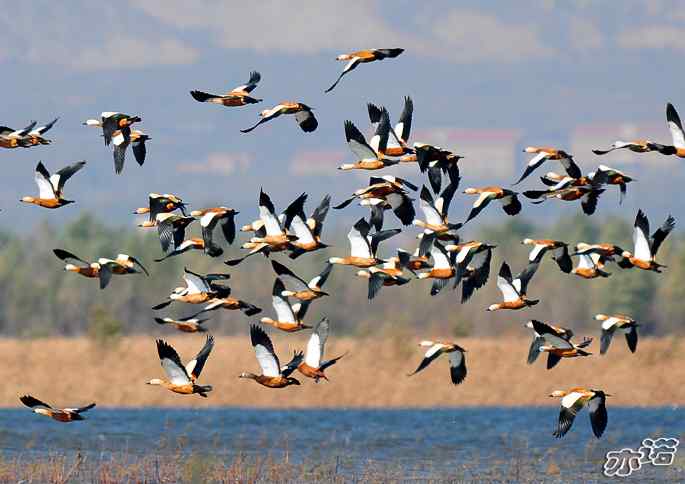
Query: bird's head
[(557, 394)]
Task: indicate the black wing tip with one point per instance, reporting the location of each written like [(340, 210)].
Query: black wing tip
[(31, 401), (164, 349)]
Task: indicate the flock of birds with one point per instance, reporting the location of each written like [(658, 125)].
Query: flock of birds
[(440, 256)]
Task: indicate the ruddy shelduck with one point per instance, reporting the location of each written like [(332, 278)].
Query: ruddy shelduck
[(383, 193), (314, 365), (398, 139), (435, 212), (123, 264), (544, 153), (271, 236), (306, 230), (646, 247), (363, 57), (370, 156), (273, 374), (443, 270), (573, 400), (539, 338), (289, 318), (238, 96), (59, 414), (190, 324), (51, 187), (160, 203), (187, 245), (590, 266), (103, 268), (587, 194), (210, 218), (12, 138), (121, 139), (363, 247), (391, 273), (35, 136), (636, 146), (509, 200), (514, 290), (198, 289), (617, 322), (677, 135), (556, 342), (557, 248), (171, 230), (298, 287), (437, 162), (179, 378), (472, 264), (304, 115), (110, 122), (612, 176), (457, 358)]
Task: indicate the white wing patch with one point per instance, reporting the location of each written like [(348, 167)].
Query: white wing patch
[(570, 399), (677, 135), (431, 214), (271, 223), (301, 230), (642, 250), (484, 198), (461, 256), (536, 252), (45, 189), (439, 258), (314, 351), (196, 285), (433, 350), (175, 374), (509, 293), (358, 246), (538, 159), (585, 262), (608, 323), (267, 361), (284, 313), (207, 218)]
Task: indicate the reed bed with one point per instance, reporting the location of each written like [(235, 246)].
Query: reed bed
[(70, 371), (521, 465)]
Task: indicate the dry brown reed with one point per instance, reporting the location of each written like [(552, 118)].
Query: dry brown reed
[(373, 374)]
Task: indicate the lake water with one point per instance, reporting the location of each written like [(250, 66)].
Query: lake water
[(461, 443)]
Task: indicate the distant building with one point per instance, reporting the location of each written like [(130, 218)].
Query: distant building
[(586, 137), (490, 154)]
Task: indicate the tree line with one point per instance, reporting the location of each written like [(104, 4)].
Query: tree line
[(39, 299)]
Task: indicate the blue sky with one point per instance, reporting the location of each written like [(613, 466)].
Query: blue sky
[(488, 76)]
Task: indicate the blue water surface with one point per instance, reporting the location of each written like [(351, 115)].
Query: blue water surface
[(464, 443)]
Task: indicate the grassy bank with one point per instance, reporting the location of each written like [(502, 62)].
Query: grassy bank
[(373, 374), (195, 468)]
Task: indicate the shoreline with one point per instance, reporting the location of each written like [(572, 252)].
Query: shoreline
[(71, 371)]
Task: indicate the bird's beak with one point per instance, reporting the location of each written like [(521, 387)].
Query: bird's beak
[(608, 395)]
